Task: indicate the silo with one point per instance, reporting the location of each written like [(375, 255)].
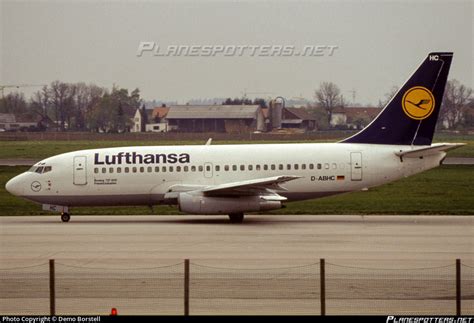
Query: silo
[(276, 111)]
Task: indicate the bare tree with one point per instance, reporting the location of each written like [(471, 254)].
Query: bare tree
[(328, 96), (14, 103), (455, 104), (62, 100), (388, 96), (40, 101)]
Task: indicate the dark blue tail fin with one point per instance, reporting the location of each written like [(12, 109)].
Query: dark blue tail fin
[(410, 117)]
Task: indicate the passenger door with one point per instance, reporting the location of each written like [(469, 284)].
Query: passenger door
[(356, 166), (80, 170)]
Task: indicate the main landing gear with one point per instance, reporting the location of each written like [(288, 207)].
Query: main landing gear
[(236, 217), (65, 217)]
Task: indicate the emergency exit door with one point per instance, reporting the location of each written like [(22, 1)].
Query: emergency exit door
[(80, 170), (356, 166)]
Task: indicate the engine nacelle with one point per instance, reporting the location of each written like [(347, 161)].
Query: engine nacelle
[(199, 204)]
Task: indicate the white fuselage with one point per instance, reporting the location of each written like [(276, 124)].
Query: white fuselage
[(119, 176)]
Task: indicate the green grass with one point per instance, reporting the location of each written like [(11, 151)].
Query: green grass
[(444, 190), (38, 150)]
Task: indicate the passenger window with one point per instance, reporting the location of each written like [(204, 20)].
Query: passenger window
[(208, 168), (250, 167), (193, 168), (119, 169), (319, 166), (326, 166), (334, 166), (257, 167), (218, 168), (265, 167), (242, 167), (127, 170), (201, 168), (296, 166), (134, 169), (111, 170), (288, 166), (186, 168), (163, 169), (226, 168), (178, 168), (234, 168), (303, 166), (280, 166), (96, 170), (273, 167), (142, 169), (311, 166), (104, 170), (157, 169), (149, 169), (171, 169)]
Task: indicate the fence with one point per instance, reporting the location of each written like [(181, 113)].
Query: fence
[(192, 288)]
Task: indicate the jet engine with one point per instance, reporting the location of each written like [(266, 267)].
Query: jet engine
[(200, 204)]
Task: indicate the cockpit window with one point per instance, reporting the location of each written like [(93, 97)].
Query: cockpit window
[(40, 169)]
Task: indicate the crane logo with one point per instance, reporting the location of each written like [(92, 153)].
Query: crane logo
[(418, 103), (36, 186)]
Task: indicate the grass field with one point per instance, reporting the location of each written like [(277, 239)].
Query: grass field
[(444, 190), (41, 149)]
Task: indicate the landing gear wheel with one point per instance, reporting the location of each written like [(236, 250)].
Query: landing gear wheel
[(65, 217), (236, 217)]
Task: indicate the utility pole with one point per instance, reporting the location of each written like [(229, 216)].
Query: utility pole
[(353, 91)]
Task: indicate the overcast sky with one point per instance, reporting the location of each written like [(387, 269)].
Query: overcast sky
[(379, 45)]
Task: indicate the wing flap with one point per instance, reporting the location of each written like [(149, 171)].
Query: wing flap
[(261, 186)]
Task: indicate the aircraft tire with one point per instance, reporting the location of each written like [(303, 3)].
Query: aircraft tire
[(236, 217), (65, 217)]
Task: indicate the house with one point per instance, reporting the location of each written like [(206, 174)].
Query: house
[(298, 118), (23, 122), (353, 117), (154, 120), (290, 118), (216, 118)]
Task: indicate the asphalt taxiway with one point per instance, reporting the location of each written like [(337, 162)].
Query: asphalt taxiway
[(295, 237), (266, 265)]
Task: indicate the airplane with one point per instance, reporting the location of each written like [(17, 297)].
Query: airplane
[(236, 179)]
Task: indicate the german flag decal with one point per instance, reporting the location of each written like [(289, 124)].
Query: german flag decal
[(340, 177)]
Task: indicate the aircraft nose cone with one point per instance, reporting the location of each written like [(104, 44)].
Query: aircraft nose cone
[(14, 187)]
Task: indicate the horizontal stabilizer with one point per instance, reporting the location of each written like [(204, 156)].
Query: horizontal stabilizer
[(426, 151)]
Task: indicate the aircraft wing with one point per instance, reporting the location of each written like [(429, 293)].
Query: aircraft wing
[(266, 187), (259, 186), (426, 151)]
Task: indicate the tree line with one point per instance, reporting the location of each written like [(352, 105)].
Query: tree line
[(88, 107), (457, 109), (76, 106)]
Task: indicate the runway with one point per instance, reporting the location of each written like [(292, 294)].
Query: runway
[(266, 265), (270, 237)]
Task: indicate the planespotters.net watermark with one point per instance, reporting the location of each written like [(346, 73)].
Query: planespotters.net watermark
[(150, 48)]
